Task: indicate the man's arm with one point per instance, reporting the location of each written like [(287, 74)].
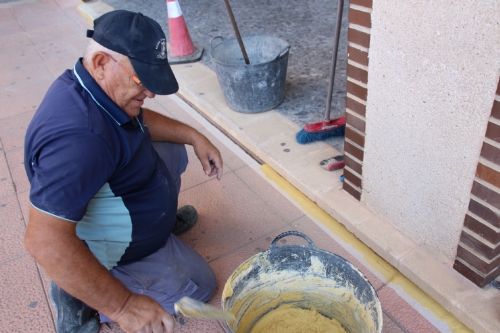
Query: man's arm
[(167, 129), (70, 264)]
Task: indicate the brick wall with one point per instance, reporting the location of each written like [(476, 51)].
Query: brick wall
[(357, 79), (478, 253)]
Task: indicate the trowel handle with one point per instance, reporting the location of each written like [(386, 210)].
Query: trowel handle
[(291, 233)]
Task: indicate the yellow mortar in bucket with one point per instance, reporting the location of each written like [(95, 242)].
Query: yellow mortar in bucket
[(303, 288)]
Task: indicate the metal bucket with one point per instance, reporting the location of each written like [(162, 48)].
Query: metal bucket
[(303, 277), (259, 86)]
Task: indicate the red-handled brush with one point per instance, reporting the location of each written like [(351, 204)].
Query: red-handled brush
[(327, 128)]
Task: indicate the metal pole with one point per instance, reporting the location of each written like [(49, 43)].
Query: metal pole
[(237, 32)]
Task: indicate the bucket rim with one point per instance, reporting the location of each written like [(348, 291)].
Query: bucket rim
[(313, 249), (282, 53)]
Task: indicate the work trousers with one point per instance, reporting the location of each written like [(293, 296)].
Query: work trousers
[(175, 270)]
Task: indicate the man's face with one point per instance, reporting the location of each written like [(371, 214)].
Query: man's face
[(122, 89)]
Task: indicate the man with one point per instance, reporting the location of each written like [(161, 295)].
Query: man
[(103, 213)]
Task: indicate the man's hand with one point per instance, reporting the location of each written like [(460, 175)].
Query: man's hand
[(142, 314), (209, 156), (167, 129)]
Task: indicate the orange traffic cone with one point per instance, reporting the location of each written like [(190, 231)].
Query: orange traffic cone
[(182, 49)]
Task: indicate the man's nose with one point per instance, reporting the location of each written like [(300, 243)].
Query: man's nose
[(149, 93)]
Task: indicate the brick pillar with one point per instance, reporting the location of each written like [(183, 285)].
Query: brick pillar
[(357, 79), (478, 252)]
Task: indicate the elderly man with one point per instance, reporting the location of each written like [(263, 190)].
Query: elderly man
[(105, 178)]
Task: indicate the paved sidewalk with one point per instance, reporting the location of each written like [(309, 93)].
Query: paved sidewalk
[(239, 216)]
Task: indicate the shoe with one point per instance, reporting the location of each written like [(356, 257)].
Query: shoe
[(72, 315), (186, 219)]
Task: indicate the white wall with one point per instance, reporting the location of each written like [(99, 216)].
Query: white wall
[(433, 72)]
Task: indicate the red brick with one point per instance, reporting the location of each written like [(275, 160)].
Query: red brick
[(361, 57), (354, 137), (477, 278), (355, 106), (357, 90), (495, 110), (479, 246), (355, 180), (364, 3), (357, 73), (477, 262), (358, 37), (493, 132), (352, 191), (354, 151), (360, 18), (491, 153), (349, 162), (488, 174), (486, 194), (355, 122), (483, 212), (485, 231)]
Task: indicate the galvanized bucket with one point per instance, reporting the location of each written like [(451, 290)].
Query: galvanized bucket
[(304, 277), (259, 86)]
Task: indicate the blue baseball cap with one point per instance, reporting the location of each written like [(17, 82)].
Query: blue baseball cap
[(143, 41)]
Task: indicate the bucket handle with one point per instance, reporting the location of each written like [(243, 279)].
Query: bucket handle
[(291, 233), (211, 42)]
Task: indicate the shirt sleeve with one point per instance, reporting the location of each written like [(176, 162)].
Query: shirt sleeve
[(67, 172)]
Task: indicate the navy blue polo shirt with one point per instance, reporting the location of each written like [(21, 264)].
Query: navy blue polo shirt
[(88, 162)]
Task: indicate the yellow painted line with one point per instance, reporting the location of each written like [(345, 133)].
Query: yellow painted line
[(379, 264)]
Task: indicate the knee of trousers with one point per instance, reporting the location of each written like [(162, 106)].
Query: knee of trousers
[(174, 155)]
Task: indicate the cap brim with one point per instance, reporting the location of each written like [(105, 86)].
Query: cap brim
[(159, 79)]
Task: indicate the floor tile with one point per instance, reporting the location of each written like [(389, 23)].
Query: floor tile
[(17, 101), (37, 7), (6, 185), (14, 41), (6, 14), (15, 159), (262, 188), (13, 130), (24, 203), (36, 21), (178, 112), (21, 55), (230, 216), (11, 230), (55, 31), (390, 326), (71, 47), (67, 3), (403, 313), (78, 17), (8, 27), (23, 305), (21, 75)]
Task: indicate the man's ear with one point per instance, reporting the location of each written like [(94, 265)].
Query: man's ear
[(99, 62)]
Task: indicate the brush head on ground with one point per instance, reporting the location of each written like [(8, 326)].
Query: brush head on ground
[(304, 137)]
